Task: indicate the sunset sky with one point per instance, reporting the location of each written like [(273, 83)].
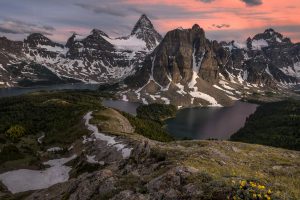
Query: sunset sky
[(221, 19)]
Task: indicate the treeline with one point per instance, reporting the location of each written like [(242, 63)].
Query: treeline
[(275, 124), (156, 112), (57, 115), (149, 121)]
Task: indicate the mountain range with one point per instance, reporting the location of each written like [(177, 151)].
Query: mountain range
[(183, 67)]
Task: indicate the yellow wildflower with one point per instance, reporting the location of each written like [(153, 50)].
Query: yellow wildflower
[(252, 184), (254, 196), (267, 197), (269, 192), (261, 187), (243, 183), (259, 196)]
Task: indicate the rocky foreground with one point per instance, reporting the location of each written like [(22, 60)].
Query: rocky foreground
[(174, 170)]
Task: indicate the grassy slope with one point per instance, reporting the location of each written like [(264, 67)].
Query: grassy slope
[(225, 162), (220, 163)]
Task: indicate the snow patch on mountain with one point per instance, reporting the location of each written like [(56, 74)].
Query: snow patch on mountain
[(259, 44), (292, 70), (56, 49), (131, 43)]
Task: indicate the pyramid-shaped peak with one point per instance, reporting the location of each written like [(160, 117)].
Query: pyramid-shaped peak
[(144, 16), (143, 23), (145, 31)]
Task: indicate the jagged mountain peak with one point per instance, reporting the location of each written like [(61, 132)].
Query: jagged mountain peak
[(98, 32), (36, 39), (145, 31), (142, 24), (71, 40), (272, 37)]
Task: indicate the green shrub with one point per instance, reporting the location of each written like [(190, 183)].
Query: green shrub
[(10, 152), (15, 132), (61, 124)]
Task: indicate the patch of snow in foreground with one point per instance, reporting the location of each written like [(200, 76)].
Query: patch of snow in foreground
[(92, 160), (24, 180), (109, 139), (40, 139), (54, 149)]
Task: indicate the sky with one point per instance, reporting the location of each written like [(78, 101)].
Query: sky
[(221, 19)]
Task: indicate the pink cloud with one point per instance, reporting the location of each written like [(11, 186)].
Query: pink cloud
[(271, 13)]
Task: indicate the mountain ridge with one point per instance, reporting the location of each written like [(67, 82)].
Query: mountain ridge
[(96, 58), (183, 67), (188, 69)]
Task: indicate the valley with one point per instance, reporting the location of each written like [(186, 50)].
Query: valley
[(121, 155), (145, 116)]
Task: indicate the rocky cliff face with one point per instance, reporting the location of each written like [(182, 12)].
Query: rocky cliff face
[(96, 58), (188, 69), (182, 69)]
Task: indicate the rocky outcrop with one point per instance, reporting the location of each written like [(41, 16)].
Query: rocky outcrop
[(182, 170)]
